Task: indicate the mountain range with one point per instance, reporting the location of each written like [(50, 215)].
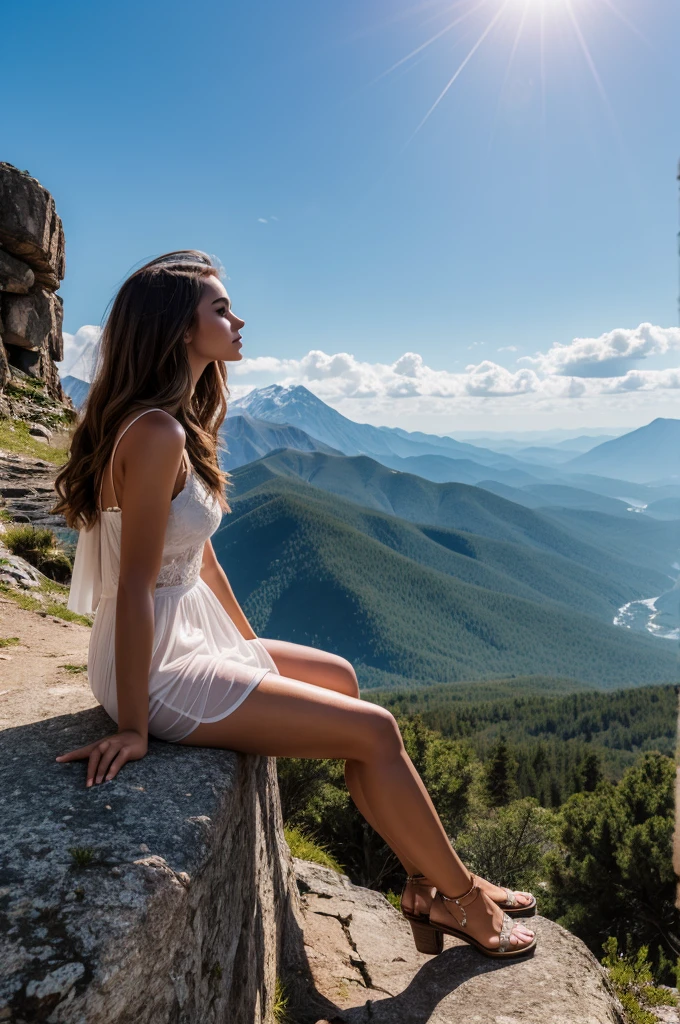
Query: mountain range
[(343, 534)]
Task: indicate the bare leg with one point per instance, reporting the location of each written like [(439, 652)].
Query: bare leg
[(285, 717), (333, 672)]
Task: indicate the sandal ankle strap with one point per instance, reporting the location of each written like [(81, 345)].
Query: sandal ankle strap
[(473, 892)]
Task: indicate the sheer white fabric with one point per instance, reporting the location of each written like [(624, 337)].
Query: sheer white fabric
[(202, 667)]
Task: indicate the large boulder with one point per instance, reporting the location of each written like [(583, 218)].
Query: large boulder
[(15, 276), (364, 964), (30, 227), (5, 372), (164, 895), (34, 322)]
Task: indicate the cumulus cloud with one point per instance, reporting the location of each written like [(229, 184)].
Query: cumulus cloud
[(80, 353), (549, 382), (610, 355)]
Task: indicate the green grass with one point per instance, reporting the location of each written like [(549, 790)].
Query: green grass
[(47, 605), (280, 1011), (15, 438), (394, 898), (39, 546), (9, 641), (303, 846), (82, 856)]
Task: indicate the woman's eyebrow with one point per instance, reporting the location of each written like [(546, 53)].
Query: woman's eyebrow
[(221, 299)]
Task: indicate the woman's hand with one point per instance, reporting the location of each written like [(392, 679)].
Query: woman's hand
[(107, 756)]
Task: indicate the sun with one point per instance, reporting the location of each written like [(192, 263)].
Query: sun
[(510, 18)]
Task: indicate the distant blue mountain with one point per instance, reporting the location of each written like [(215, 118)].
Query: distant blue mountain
[(298, 406), (76, 389), (646, 455)]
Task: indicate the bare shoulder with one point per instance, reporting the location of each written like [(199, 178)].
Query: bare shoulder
[(156, 433)]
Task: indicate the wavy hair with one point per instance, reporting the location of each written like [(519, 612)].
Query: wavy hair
[(142, 363)]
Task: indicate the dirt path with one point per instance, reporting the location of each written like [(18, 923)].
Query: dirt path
[(34, 682)]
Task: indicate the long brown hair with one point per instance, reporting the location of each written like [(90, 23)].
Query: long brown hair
[(143, 363)]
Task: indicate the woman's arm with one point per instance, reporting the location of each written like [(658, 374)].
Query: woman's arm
[(215, 576), (150, 462)]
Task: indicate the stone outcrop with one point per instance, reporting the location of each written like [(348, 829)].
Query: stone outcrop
[(30, 227), (168, 895), (27, 489), (364, 963), (160, 896), (32, 264)]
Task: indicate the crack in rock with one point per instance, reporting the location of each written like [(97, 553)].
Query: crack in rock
[(357, 961)]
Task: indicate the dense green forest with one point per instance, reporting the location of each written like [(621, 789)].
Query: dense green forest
[(568, 794), (554, 740)]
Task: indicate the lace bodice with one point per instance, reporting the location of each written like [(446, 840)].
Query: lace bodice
[(195, 514)]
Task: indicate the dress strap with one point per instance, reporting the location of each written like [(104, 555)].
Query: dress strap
[(113, 486)]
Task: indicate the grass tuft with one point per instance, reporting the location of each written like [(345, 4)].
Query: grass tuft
[(82, 855), (305, 847), (280, 1012)]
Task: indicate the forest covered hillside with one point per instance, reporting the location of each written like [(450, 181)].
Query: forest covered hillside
[(306, 568)]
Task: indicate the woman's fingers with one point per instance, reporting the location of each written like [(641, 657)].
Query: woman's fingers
[(79, 754), (107, 757), (117, 763), (95, 758)]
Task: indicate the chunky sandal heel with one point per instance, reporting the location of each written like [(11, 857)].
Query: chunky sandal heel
[(504, 949), (427, 938)]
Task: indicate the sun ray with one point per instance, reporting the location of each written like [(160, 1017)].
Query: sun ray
[(588, 56), (513, 51), (368, 30), (460, 69), (432, 39), (626, 21), (544, 99)]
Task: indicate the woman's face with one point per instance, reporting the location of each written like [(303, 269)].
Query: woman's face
[(217, 330)]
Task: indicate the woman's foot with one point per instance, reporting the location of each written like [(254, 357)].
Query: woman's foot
[(475, 915), (419, 891)]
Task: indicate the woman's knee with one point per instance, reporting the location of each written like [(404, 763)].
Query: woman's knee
[(347, 678), (381, 733)]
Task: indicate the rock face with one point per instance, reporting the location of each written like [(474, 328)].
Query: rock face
[(30, 227), (365, 968), (27, 490), (32, 263), (160, 896), (168, 895)]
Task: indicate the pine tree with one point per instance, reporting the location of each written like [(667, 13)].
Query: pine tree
[(589, 772), (500, 775)]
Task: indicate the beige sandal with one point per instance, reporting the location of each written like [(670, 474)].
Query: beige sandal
[(510, 905), (429, 938)]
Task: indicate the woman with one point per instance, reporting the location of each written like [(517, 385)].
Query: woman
[(171, 653)]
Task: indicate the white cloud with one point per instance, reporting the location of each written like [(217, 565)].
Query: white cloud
[(507, 348), (80, 351), (610, 355), (408, 389)]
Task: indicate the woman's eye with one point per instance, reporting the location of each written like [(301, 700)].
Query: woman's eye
[(222, 310)]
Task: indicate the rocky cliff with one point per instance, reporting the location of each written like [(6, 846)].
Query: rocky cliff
[(32, 264), (169, 894), (163, 896)]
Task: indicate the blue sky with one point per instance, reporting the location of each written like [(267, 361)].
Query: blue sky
[(399, 267)]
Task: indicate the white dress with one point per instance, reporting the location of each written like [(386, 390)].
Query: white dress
[(202, 667)]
